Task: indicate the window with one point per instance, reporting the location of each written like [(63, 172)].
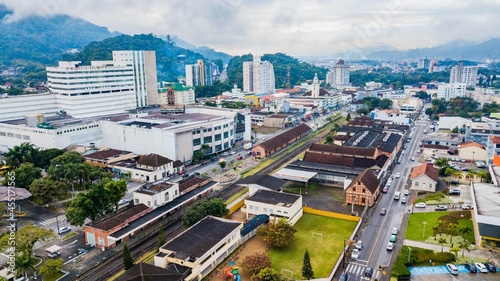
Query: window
[(156, 203), (207, 139), (226, 134), (416, 183), (354, 188), (256, 208), (149, 203), (101, 241), (430, 185), (364, 190), (265, 210), (217, 137), (196, 142), (250, 207)]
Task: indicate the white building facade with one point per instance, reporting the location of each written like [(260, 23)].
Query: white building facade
[(258, 76), (338, 76), (463, 74), (451, 91)]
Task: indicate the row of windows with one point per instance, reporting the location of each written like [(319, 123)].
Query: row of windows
[(265, 210), (17, 136), (77, 129)]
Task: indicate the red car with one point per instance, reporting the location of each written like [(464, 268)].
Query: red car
[(383, 211), (181, 172)]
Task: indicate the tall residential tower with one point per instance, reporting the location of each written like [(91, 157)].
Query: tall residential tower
[(258, 76)]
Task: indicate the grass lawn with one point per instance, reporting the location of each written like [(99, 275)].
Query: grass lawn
[(415, 228), (236, 196), (53, 277), (324, 252), (70, 235)]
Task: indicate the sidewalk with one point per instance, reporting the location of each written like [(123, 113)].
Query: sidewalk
[(484, 254)]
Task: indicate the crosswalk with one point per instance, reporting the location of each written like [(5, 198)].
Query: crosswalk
[(47, 222), (356, 271)]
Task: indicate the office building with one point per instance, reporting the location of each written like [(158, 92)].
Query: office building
[(258, 76), (450, 91)]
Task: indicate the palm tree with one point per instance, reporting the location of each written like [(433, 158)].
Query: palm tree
[(482, 175), (83, 174), (458, 174), (449, 172), (470, 175), (441, 242), (18, 155), (465, 244), (24, 263), (464, 230), (71, 171), (205, 147)]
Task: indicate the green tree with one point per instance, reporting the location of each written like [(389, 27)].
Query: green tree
[(45, 156), (348, 117), (115, 190), (464, 231), (455, 250), (277, 233), (71, 171), (329, 139), (128, 262), (441, 242), (269, 274), (25, 152), (45, 190), (161, 238), (307, 270), (482, 175), (386, 103), (51, 267), (464, 245), (452, 230), (442, 162), (26, 173), (222, 164), (198, 156), (24, 263), (26, 237), (455, 130), (254, 263), (213, 207)]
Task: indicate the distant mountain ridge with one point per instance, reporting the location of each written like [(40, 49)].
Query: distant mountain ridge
[(44, 40), (458, 50), (207, 52)]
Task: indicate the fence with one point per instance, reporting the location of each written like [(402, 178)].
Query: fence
[(310, 210)]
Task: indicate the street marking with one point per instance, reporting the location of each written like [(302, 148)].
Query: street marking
[(61, 218)]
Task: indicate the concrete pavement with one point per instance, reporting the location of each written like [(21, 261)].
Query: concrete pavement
[(483, 254)]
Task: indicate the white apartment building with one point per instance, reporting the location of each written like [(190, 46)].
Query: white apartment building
[(143, 64), (199, 74), (463, 74), (338, 76), (450, 91), (258, 76)]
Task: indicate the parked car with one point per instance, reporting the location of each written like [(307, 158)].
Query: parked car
[(64, 229), (225, 154), (181, 172), (454, 191), (368, 272), (393, 238), (420, 205), (385, 189), (390, 246), (481, 267), (471, 267), (441, 208), (344, 276), (359, 245), (398, 175), (452, 268), (490, 266), (82, 251), (406, 192), (412, 158), (123, 201), (466, 207), (383, 211), (403, 200), (355, 254), (394, 231)]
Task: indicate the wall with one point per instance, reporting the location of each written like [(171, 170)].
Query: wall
[(473, 153), (423, 184)]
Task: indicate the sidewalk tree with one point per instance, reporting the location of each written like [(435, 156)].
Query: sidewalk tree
[(307, 270), (254, 263), (51, 267), (25, 174), (213, 207), (277, 233), (222, 164), (128, 262), (161, 238), (45, 190), (464, 245), (26, 237), (198, 156)]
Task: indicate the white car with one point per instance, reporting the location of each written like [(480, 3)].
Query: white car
[(355, 254), (394, 231), (481, 267), (420, 205), (64, 230), (390, 246), (233, 153), (359, 245), (398, 175), (123, 201), (406, 192)]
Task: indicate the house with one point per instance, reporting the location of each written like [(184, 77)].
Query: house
[(146, 168), (424, 178), (275, 205), (145, 271), (157, 194), (105, 157), (363, 190), (280, 141), (473, 151), (201, 247), (153, 162), (256, 182)]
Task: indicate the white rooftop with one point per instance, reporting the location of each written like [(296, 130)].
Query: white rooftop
[(294, 175)]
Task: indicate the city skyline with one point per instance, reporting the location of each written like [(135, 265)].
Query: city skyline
[(297, 28)]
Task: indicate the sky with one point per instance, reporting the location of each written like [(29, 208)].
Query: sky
[(297, 28)]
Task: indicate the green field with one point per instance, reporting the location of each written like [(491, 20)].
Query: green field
[(415, 228), (324, 252)]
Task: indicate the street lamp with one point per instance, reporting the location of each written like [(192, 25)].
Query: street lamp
[(423, 232), (409, 251)]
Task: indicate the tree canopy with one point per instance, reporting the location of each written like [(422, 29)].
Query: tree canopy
[(213, 207), (277, 233), (26, 237)]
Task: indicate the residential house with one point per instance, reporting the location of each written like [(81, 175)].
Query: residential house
[(202, 247), (275, 205), (472, 151), (363, 190), (424, 178)]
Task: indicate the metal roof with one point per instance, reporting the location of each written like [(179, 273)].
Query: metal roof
[(295, 175)]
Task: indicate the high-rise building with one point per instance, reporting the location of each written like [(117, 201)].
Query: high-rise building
[(338, 76), (199, 74), (452, 90), (424, 63), (258, 76), (143, 64), (463, 74)]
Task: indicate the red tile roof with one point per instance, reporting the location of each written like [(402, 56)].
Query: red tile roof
[(119, 218), (153, 160), (107, 153), (368, 179), (344, 150), (471, 143), (284, 138), (427, 169), (495, 139)]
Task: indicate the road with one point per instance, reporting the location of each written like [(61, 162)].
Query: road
[(376, 232)]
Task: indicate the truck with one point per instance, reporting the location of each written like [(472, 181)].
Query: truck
[(247, 145), (53, 251)]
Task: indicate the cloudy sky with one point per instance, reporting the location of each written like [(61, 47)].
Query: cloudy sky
[(298, 28)]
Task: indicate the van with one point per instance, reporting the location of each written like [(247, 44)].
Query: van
[(452, 268), (397, 195)]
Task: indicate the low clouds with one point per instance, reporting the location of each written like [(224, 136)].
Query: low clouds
[(315, 27)]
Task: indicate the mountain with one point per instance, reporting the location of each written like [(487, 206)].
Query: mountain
[(457, 50), (170, 59), (207, 52), (44, 40)]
